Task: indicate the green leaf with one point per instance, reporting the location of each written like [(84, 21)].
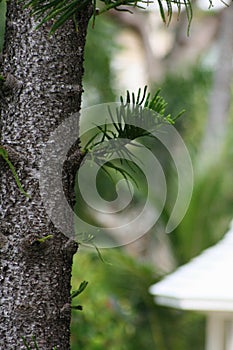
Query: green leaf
[(139, 116), (59, 11), (162, 13), (86, 239), (126, 175), (16, 178), (81, 288), (43, 239), (77, 307), (4, 155), (2, 23), (26, 344), (35, 343)]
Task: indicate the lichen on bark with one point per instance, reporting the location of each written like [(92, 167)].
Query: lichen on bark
[(35, 276)]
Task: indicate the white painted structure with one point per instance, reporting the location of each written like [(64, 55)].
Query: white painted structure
[(205, 284)]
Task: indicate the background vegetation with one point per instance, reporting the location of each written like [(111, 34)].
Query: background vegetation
[(119, 313)]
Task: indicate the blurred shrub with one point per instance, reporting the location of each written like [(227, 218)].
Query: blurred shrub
[(120, 314), (211, 207), (189, 91), (210, 210)]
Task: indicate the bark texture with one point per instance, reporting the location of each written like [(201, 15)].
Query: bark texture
[(43, 87)]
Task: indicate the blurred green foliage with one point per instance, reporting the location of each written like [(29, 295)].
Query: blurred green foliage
[(120, 314), (211, 207), (100, 47), (189, 91), (209, 212)]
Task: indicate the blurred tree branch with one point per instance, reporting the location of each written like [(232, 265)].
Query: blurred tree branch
[(184, 50)]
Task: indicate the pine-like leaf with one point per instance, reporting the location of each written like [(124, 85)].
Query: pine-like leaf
[(138, 116), (59, 11), (80, 289)]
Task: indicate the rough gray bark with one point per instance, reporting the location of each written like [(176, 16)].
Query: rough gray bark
[(43, 87)]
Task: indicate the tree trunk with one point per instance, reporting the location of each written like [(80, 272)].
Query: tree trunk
[(43, 86)]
